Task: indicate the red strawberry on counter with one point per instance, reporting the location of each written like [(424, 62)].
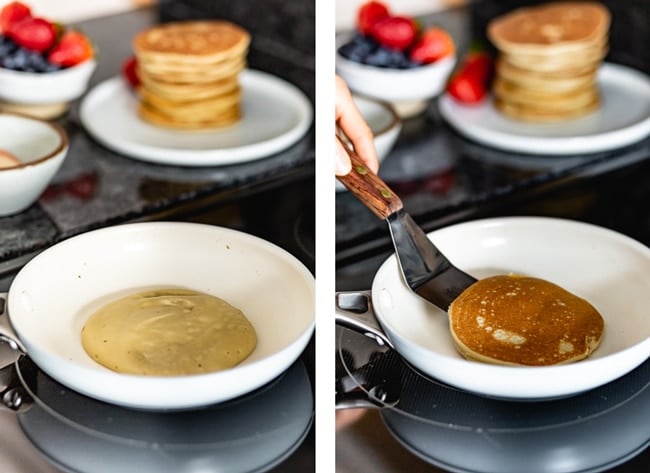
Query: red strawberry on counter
[(470, 84), (130, 72), (395, 32), (11, 13), (37, 34), (73, 48), (370, 13)]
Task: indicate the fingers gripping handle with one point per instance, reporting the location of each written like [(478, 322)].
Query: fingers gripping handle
[(369, 188)]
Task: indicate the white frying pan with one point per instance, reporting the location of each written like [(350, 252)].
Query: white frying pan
[(53, 295), (608, 269)]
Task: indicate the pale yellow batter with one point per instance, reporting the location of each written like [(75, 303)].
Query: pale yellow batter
[(168, 332)]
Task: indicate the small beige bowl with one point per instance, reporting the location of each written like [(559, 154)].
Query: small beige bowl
[(44, 94), (40, 146), (407, 90)]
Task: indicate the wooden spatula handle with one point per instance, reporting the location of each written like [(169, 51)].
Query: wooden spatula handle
[(369, 188)]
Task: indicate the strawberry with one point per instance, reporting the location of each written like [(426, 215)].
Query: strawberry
[(395, 32), (433, 44), (470, 84), (129, 70), (73, 48), (368, 14), (478, 65), (13, 13), (466, 89), (37, 34)]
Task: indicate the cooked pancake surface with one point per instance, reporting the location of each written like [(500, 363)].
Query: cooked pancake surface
[(519, 320), (560, 23), (539, 114), (209, 39)]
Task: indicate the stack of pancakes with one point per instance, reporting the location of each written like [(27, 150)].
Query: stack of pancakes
[(548, 61), (189, 73)]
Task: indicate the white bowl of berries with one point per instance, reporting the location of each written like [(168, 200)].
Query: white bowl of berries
[(43, 65), (390, 58)]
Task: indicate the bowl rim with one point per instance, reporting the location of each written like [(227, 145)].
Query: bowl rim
[(395, 119), (58, 129), (88, 63)]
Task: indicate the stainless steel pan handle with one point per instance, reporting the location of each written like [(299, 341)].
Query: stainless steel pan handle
[(7, 333), (354, 311), (12, 393)]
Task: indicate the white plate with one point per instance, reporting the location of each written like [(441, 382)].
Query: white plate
[(276, 114), (54, 293), (623, 119), (606, 268)]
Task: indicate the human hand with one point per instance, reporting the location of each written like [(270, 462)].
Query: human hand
[(352, 124)]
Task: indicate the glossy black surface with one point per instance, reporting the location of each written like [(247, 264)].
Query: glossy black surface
[(605, 429)]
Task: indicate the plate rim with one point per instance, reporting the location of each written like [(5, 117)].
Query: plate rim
[(199, 157), (557, 146)]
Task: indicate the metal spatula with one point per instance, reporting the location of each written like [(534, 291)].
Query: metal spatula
[(424, 268)]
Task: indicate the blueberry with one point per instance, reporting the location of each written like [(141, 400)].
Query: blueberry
[(358, 48), (410, 64), (36, 62), (9, 62), (7, 46), (384, 57), (21, 59), (52, 67)]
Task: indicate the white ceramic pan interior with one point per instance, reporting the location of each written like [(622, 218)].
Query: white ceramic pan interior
[(53, 295), (608, 269)]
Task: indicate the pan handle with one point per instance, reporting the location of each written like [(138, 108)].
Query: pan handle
[(7, 333), (13, 396), (354, 311)]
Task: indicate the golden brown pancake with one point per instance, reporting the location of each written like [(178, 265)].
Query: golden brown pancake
[(208, 73), (557, 81), (541, 114), (190, 123), (587, 58), (184, 92), (520, 320), (544, 99), (210, 105), (552, 27), (192, 42)]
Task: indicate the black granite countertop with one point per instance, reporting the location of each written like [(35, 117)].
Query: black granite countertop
[(96, 187), (443, 177)]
